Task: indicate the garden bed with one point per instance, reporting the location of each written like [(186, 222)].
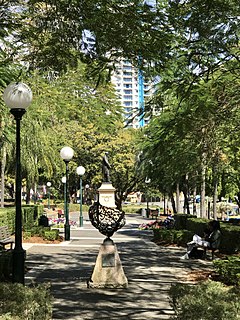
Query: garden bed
[(36, 239)]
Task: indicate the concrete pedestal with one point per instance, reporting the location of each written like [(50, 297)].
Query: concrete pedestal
[(108, 271), (107, 195)]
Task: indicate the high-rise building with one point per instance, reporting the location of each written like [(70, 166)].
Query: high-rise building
[(133, 91)]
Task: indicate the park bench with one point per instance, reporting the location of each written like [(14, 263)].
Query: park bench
[(154, 213), (213, 250), (5, 237)]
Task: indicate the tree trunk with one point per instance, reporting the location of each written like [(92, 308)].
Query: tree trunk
[(215, 192), (164, 204), (203, 186), (186, 194), (194, 200), (178, 199), (173, 203)]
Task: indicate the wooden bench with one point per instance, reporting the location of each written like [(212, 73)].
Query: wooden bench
[(5, 237), (213, 250), (154, 213)]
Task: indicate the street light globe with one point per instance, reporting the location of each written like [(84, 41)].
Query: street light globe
[(66, 153), (49, 184), (64, 179), (80, 170), (17, 95)]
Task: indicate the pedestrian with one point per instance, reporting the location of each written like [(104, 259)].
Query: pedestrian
[(211, 240)]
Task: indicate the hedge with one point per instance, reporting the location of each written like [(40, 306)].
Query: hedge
[(30, 215), (190, 225), (205, 301), (25, 303)]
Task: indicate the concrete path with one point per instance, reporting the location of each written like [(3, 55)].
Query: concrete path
[(150, 270)]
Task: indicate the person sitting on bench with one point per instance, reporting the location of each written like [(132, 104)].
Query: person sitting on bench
[(211, 241)]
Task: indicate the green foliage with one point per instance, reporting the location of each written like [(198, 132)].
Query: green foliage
[(172, 236), (7, 218), (205, 301), (29, 216), (197, 225), (21, 302), (180, 221), (132, 208), (229, 270), (27, 235), (51, 235), (230, 242), (5, 264), (39, 231), (230, 239)]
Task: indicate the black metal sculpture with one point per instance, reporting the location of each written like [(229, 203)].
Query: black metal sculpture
[(107, 220)]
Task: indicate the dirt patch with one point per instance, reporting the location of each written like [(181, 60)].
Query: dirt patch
[(198, 275), (164, 243), (201, 275), (41, 240)]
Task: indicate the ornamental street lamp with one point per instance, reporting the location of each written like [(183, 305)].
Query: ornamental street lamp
[(49, 185), (18, 97), (66, 154), (80, 171)]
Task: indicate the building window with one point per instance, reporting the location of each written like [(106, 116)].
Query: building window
[(128, 91), (127, 79), (127, 103), (127, 68), (125, 73), (127, 85), (126, 97)]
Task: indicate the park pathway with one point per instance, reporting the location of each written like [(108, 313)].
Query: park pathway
[(150, 270)]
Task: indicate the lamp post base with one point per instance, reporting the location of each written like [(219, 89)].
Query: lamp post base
[(67, 232), (81, 221), (18, 265)]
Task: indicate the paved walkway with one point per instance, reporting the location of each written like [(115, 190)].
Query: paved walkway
[(150, 270)]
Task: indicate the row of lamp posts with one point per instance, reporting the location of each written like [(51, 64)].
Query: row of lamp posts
[(18, 96), (66, 154)]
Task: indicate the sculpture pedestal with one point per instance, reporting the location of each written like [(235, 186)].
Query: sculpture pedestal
[(107, 195), (108, 271)]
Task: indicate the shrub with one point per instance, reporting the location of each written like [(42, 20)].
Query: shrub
[(7, 218), (39, 231), (26, 235), (229, 270), (230, 242), (179, 237), (181, 220), (51, 235), (21, 302), (5, 264), (208, 300)]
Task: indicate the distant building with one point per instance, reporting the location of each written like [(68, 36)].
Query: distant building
[(133, 92)]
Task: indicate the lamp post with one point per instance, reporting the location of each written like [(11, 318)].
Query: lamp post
[(49, 185), (18, 97), (64, 192), (80, 171), (147, 181), (66, 154)]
